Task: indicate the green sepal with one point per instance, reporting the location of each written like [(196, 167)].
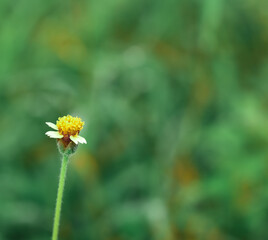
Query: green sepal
[(69, 150)]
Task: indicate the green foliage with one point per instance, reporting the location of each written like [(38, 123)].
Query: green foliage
[(174, 96)]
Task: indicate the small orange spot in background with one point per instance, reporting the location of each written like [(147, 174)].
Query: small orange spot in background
[(185, 171), (86, 165), (244, 195)]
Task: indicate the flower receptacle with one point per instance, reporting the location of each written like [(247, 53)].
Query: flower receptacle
[(66, 148)]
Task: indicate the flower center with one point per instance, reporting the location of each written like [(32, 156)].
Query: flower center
[(69, 125)]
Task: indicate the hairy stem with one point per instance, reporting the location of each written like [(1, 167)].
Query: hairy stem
[(63, 171)]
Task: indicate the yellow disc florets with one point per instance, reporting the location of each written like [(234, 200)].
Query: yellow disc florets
[(69, 125)]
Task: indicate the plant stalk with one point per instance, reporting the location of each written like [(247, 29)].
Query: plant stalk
[(63, 171)]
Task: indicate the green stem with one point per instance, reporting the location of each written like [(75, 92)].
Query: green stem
[(63, 171)]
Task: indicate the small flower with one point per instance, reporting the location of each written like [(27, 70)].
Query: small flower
[(68, 128)]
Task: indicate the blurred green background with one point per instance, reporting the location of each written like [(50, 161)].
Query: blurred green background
[(174, 94)]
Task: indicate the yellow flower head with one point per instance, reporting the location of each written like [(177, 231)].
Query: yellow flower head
[(69, 125), (68, 128)]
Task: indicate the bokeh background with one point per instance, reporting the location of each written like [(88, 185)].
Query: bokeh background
[(174, 94)]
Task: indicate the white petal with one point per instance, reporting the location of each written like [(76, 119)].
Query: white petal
[(81, 139), (53, 134), (74, 139), (78, 139), (52, 125)]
